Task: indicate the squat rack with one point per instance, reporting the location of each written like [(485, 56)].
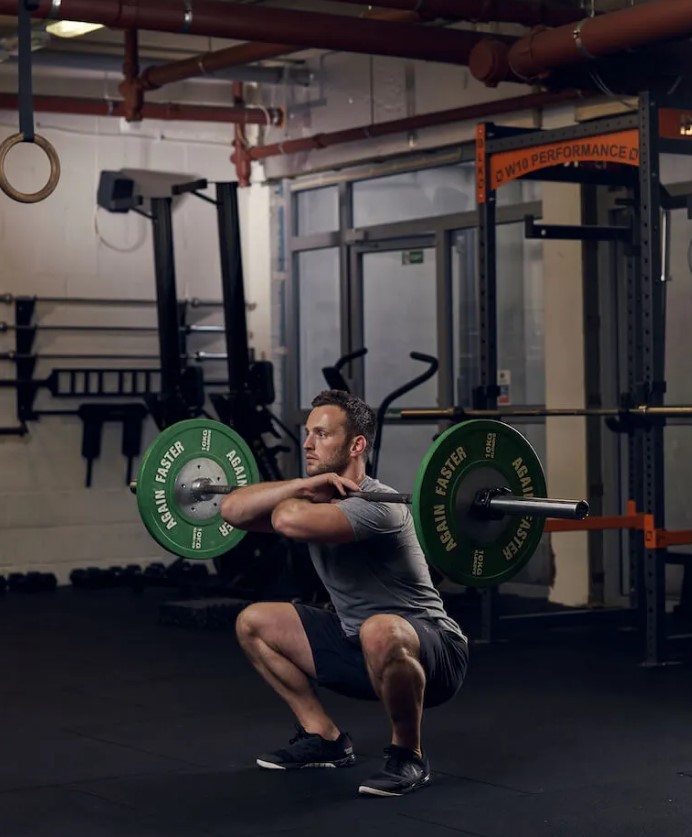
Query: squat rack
[(626, 150)]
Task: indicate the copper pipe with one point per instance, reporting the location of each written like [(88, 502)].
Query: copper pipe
[(187, 113), (276, 25), (210, 62), (412, 123), (483, 11), (131, 61), (130, 89), (392, 15), (535, 55), (240, 156)]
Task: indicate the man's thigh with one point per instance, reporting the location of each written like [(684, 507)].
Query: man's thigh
[(278, 625), (339, 662), (444, 658)]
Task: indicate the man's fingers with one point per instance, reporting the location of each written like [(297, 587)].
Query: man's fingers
[(348, 485)]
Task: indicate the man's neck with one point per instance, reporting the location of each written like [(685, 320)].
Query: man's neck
[(355, 471)]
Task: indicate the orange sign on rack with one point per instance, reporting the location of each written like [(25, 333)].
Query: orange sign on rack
[(619, 147)]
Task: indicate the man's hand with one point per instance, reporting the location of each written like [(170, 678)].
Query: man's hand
[(324, 488)]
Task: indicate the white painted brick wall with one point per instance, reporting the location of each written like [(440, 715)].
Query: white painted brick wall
[(50, 521)]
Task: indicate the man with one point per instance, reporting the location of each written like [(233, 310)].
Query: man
[(389, 637)]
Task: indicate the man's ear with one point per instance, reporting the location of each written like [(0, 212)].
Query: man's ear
[(359, 445)]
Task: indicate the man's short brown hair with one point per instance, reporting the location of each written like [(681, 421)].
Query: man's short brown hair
[(360, 417)]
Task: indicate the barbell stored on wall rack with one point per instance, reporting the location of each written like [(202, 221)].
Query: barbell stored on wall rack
[(478, 503), (188, 329), (196, 356), (461, 413), (8, 299)]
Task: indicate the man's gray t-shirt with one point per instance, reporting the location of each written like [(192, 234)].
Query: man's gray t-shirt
[(383, 570)]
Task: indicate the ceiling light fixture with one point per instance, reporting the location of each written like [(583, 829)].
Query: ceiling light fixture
[(71, 28)]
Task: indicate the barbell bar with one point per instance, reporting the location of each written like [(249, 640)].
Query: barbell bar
[(461, 413), (478, 503), (488, 502)]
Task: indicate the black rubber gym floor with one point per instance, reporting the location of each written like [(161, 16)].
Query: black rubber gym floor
[(114, 724)]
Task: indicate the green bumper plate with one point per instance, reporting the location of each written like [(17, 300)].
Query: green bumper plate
[(468, 457), (182, 453)]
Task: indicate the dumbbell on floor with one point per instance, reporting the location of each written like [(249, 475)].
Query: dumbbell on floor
[(32, 582), (101, 578)]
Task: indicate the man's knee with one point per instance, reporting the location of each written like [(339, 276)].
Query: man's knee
[(274, 627), (251, 622), (387, 638)]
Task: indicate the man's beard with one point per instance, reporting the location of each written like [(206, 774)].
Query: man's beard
[(336, 465)]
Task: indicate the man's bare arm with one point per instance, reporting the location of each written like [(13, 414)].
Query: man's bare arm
[(303, 520), (251, 506)]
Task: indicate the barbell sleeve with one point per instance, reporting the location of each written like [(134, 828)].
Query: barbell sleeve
[(497, 503), (204, 487)]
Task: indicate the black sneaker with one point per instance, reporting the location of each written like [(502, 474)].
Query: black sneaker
[(403, 772), (307, 749)]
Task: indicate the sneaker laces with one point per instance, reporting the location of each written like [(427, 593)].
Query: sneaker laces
[(300, 734), (396, 757)]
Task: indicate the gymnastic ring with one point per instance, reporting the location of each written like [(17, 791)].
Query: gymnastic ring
[(48, 189)]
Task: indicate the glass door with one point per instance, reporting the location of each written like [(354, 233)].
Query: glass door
[(394, 313)]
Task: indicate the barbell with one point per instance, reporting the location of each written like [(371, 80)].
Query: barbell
[(478, 502)]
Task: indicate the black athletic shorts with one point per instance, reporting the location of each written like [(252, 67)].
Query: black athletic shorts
[(340, 664)]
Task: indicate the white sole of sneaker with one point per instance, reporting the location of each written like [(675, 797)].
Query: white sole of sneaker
[(268, 765), (375, 792)]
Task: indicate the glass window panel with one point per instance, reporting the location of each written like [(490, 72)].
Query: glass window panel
[(317, 210), (519, 191), (400, 317), (402, 449), (421, 194), (520, 315), (319, 323)]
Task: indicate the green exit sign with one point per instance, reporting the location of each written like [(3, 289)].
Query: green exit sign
[(412, 257)]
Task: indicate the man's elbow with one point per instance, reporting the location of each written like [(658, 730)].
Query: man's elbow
[(232, 512), (284, 521)]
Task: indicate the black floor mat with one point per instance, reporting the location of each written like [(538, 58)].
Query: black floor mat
[(114, 724)]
